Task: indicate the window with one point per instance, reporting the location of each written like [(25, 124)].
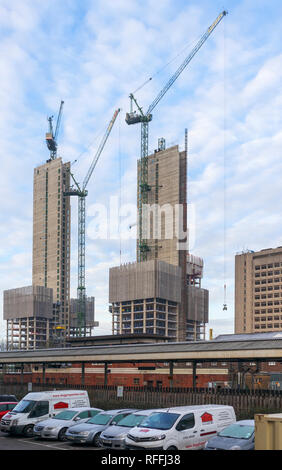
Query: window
[(11, 406), (41, 408), (119, 417), (83, 415), (187, 422)]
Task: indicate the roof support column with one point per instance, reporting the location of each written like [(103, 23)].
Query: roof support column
[(22, 374), (194, 377), (43, 372), (83, 374), (106, 374), (170, 374)]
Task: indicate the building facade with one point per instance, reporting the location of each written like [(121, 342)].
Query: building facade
[(29, 315), (90, 313), (161, 295), (258, 291), (51, 235)]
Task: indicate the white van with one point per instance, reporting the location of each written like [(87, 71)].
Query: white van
[(37, 406), (180, 428)]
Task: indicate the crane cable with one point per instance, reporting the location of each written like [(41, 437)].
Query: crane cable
[(224, 171), (167, 64), (120, 189)]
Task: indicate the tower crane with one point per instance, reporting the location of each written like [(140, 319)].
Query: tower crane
[(81, 192), (51, 136), (134, 117)]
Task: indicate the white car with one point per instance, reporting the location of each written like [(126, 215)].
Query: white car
[(55, 428)]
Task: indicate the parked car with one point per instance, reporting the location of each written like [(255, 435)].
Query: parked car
[(114, 435), (89, 432), (55, 428), (237, 436), (8, 399), (180, 428), (5, 407), (37, 406)]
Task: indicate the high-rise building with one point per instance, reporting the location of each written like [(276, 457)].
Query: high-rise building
[(160, 295), (51, 236), (258, 291)]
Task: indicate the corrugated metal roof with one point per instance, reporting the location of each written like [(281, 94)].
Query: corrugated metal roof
[(249, 336), (144, 349)]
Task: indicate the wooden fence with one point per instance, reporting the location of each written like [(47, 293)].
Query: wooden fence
[(245, 402)]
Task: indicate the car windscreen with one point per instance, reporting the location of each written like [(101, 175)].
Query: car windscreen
[(131, 421), (100, 419), (159, 421), (238, 431), (65, 415), (24, 406)]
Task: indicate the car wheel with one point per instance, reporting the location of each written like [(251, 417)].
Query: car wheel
[(28, 431), (96, 439), (62, 434), (171, 448)]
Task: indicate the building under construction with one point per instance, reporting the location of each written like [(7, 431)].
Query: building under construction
[(162, 294), (32, 323)]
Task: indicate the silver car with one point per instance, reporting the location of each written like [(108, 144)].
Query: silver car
[(114, 435), (89, 432), (55, 428)]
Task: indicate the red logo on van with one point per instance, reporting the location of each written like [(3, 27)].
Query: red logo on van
[(60, 405), (206, 418)]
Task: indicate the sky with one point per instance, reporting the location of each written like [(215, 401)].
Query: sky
[(92, 54)]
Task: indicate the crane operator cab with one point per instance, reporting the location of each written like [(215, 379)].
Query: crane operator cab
[(134, 118)]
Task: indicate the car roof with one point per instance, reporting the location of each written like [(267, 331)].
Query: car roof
[(8, 403), (194, 408), (246, 422), (147, 412), (119, 411), (79, 408)]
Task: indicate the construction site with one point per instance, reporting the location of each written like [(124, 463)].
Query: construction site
[(159, 294)]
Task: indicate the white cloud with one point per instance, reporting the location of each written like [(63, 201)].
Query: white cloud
[(92, 55)]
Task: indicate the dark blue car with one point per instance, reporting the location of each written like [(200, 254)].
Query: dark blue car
[(237, 436)]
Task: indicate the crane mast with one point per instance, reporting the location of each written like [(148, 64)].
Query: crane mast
[(144, 118), (82, 192)]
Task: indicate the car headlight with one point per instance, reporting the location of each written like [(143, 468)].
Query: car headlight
[(15, 422), (235, 448), (157, 438), (49, 428), (84, 433)]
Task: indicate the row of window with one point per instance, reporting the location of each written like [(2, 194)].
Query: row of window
[(267, 266), (268, 326)]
